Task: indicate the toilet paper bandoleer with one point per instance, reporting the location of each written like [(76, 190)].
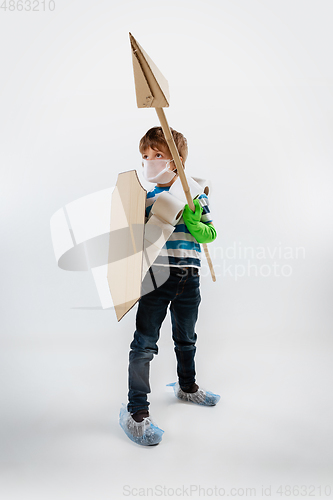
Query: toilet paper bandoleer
[(165, 208)]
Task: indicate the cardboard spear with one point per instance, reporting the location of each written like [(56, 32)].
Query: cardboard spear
[(152, 91)]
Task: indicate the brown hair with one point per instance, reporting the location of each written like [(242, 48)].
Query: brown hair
[(154, 138)]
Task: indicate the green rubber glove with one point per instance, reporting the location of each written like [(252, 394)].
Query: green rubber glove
[(203, 233)]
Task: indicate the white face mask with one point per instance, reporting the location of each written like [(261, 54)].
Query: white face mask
[(159, 171)]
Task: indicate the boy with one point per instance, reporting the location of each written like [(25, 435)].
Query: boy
[(179, 261)]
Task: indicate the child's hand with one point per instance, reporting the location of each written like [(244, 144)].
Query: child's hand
[(190, 217), (203, 233)]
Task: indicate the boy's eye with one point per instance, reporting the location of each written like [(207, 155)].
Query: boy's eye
[(158, 155)]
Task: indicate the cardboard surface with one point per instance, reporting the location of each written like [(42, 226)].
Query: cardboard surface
[(152, 88), (127, 210)]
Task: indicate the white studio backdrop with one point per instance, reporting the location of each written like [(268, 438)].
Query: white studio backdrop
[(251, 89)]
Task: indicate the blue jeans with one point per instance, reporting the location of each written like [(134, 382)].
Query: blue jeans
[(181, 290)]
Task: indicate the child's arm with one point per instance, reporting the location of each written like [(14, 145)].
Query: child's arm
[(203, 233)]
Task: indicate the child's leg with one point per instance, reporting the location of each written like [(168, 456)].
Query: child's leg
[(151, 312), (184, 314)]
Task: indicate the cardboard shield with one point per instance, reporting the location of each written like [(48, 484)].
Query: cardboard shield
[(128, 223)]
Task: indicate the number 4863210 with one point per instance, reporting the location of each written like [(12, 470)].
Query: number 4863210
[(27, 5)]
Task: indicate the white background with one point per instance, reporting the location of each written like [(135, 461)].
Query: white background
[(251, 89)]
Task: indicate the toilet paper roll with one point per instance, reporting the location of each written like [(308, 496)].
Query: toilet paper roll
[(168, 208), (205, 184), (157, 233), (165, 213), (177, 189)]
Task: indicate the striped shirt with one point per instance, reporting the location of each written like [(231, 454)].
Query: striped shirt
[(181, 249)]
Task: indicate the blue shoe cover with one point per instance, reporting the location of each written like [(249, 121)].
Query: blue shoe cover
[(144, 433), (200, 397)]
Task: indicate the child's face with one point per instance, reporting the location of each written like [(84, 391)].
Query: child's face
[(161, 153)]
